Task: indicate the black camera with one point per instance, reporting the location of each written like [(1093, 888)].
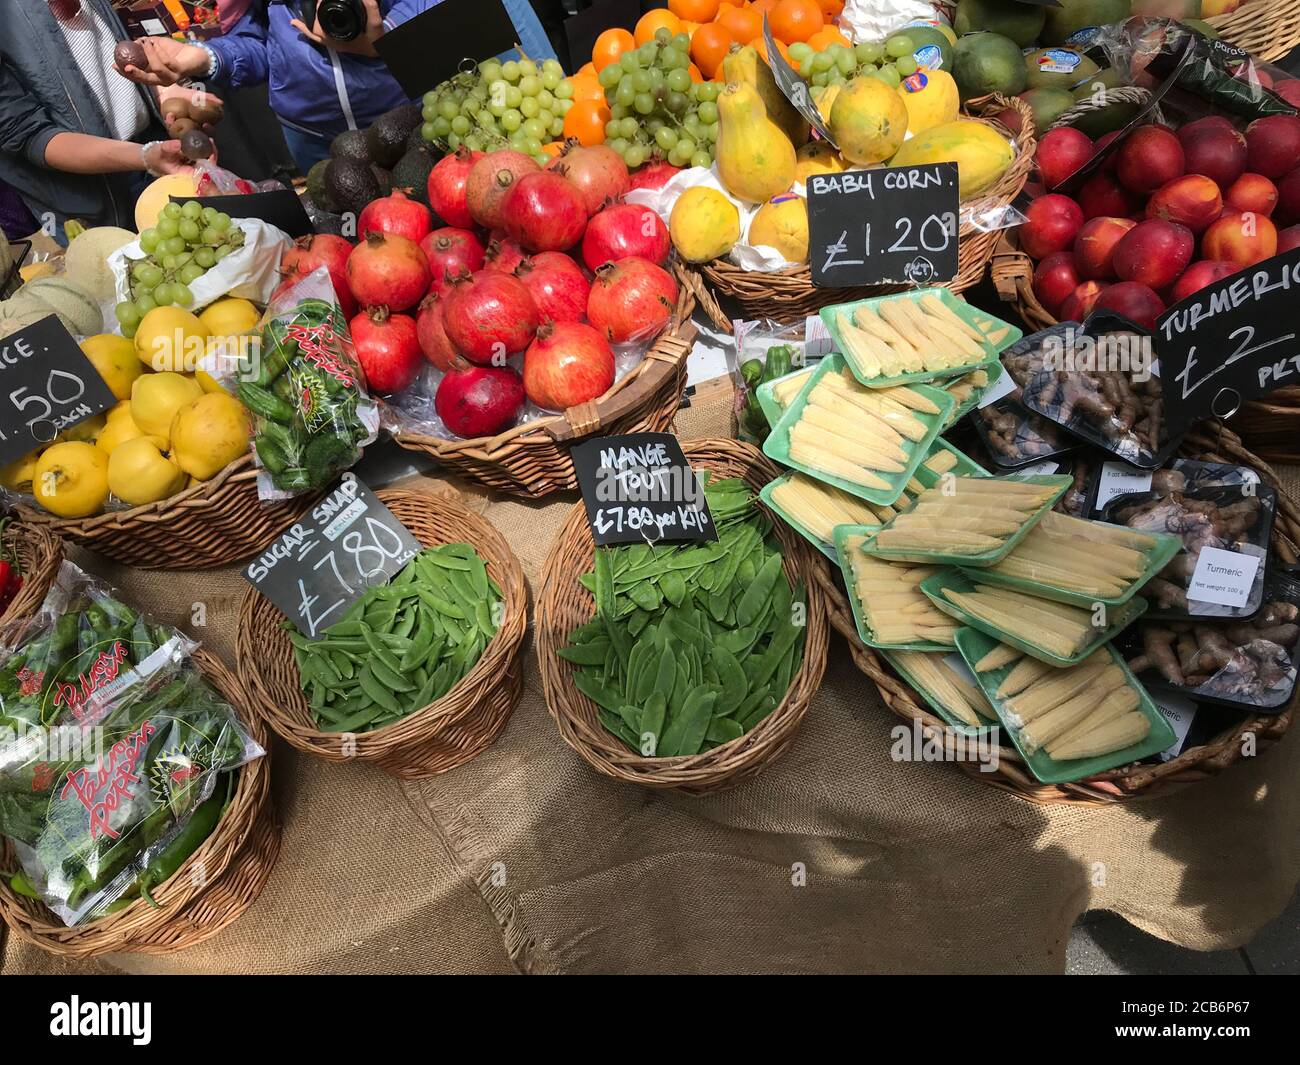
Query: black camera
[(342, 20)]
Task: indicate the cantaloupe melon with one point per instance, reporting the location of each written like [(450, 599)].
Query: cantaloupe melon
[(158, 194), (69, 299), (85, 261), (16, 315)]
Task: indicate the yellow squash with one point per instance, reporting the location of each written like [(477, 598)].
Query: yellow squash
[(745, 65), (756, 161)]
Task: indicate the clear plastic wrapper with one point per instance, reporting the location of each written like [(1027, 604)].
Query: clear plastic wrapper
[(1014, 437), (764, 351), (306, 392), (115, 752)]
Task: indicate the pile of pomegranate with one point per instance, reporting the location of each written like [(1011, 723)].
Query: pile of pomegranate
[(544, 263), (1167, 214)]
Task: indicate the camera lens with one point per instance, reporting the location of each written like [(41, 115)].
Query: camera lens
[(341, 19)]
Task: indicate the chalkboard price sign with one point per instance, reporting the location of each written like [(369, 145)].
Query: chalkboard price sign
[(1232, 341), (47, 385), (639, 488), (893, 225), (347, 542)]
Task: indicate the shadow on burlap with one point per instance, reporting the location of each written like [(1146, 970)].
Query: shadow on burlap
[(835, 859)]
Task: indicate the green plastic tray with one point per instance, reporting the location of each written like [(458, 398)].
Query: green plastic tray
[(954, 722), (987, 558), (772, 410), (765, 494), (975, 645), (961, 308), (777, 444), (995, 372), (865, 634), (960, 581), (1167, 545)]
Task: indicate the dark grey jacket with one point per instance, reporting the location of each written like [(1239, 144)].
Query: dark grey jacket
[(43, 93)]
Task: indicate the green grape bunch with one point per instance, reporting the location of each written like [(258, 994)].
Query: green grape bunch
[(185, 243), (839, 64), (517, 104), (656, 109)]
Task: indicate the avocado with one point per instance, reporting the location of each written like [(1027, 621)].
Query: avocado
[(316, 187), (387, 134), (988, 62), (416, 139), (1021, 22), (351, 144), (351, 184), (412, 172), (1057, 68), (384, 178)]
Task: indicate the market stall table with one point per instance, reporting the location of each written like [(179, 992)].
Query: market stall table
[(836, 858)]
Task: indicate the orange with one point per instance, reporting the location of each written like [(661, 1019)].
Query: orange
[(586, 121), (827, 36), (763, 7), (689, 27), (610, 45), (761, 45), (743, 23), (655, 20), (831, 8), (733, 3), (695, 73), (796, 20), (709, 47), (694, 10), (556, 148), (587, 68), (586, 87)]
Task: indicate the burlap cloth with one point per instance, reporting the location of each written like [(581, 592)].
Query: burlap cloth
[(834, 859)]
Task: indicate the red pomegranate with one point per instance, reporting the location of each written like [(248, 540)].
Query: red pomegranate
[(322, 250), (479, 401), (598, 173), (451, 251), (387, 348), (488, 181), (653, 176), (568, 363), (622, 230), (388, 271), (447, 187), (395, 213), (557, 284), (432, 335), (632, 299), (544, 212), (489, 316), (503, 252)]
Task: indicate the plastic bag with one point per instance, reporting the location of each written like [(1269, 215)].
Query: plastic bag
[(252, 272), (764, 351), (873, 20), (110, 741), (305, 390)]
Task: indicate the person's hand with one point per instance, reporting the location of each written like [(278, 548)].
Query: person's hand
[(196, 97), (164, 157), (169, 61), (362, 44)]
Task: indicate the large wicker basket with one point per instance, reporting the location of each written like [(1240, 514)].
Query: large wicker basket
[(533, 459), (565, 604), (1210, 443), (789, 294), (443, 735), (235, 862), (214, 523), (39, 554), (1268, 29)]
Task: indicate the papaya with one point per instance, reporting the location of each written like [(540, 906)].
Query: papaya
[(982, 155), (756, 161), (817, 157), (745, 65), (868, 121), (782, 223), (824, 97)]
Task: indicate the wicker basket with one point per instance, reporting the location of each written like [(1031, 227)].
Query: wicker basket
[(1211, 443), (565, 604), (39, 553), (1268, 29), (443, 735), (789, 294), (214, 523), (533, 459), (236, 860)]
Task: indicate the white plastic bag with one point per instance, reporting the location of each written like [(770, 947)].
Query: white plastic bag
[(874, 20)]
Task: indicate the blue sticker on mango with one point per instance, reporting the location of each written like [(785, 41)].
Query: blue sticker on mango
[(928, 57)]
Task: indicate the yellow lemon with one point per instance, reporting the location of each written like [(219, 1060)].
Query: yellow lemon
[(704, 224), (209, 433), (139, 473), (71, 479), (119, 430), (156, 397), (19, 473), (170, 338), (114, 358), (229, 317), (782, 223), (817, 157)]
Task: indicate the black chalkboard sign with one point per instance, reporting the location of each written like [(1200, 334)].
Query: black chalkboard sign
[(1234, 340), (430, 48), (794, 87), (348, 542), (639, 488), (892, 225), (280, 208), (47, 385)]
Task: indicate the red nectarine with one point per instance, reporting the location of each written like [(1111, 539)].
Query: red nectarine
[(1079, 303), (1153, 253), (1060, 153), (1244, 238), (1192, 200), (1149, 157), (1273, 144), (1095, 245), (1134, 301), (1054, 279), (1211, 146), (1051, 224), (1198, 275), (1251, 192)]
